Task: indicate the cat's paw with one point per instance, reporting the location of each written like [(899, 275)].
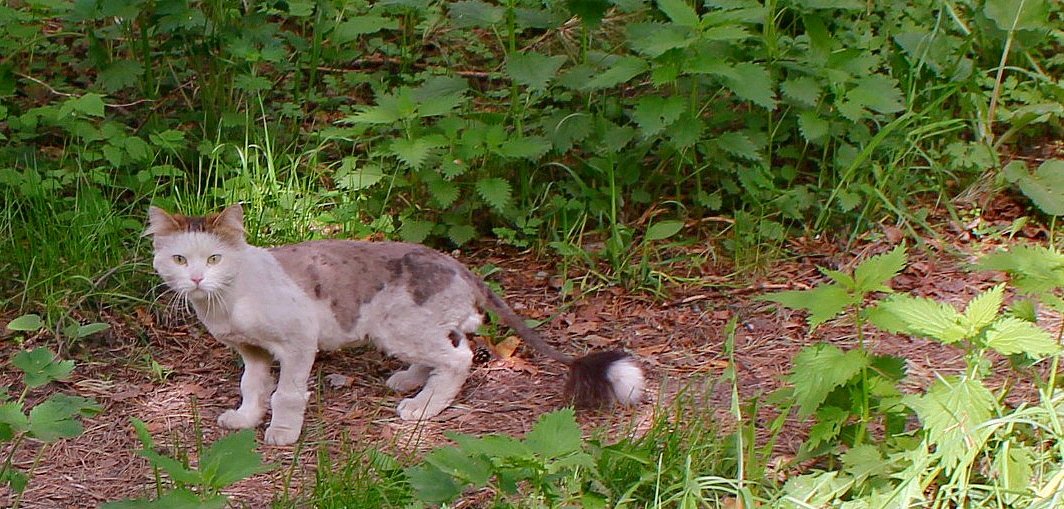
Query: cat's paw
[(235, 419), (276, 435), (415, 409), (407, 379)]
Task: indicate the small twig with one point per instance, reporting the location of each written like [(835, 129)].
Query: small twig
[(65, 94)]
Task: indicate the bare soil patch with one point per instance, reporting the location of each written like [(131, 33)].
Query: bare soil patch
[(678, 339)]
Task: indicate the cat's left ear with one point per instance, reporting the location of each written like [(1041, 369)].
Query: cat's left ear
[(229, 223), (160, 222)]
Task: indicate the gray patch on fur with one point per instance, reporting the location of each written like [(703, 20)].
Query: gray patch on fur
[(351, 273)]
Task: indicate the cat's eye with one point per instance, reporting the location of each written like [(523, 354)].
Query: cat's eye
[(180, 260), (213, 259)]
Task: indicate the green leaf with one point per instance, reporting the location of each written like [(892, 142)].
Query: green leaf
[(877, 92), (1034, 269), (622, 70), (26, 323), (443, 191), (362, 25), (413, 152), (461, 233), (120, 74), (55, 418), (1011, 15), (40, 366), (1013, 465), (818, 370), (663, 229), (872, 274), (753, 83), (983, 309), (926, 317), (1046, 187), (495, 191), (738, 144), (533, 70), (12, 477), (415, 231), (653, 113), (590, 12), (432, 485), (864, 461), (474, 13), (84, 331), (555, 434), (1011, 335), (803, 90), (230, 459), (11, 415), (823, 302), (493, 446), (525, 147), (679, 12), (352, 179), (654, 39), (952, 413), (88, 104), (179, 498), (468, 468), (812, 127)]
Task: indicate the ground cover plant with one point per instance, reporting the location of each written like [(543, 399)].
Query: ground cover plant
[(638, 146)]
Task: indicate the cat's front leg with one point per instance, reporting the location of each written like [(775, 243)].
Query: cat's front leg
[(255, 387), (289, 401)]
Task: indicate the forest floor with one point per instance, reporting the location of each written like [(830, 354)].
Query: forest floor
[(678, 338)]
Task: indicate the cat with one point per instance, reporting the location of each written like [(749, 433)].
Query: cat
[(290, 301)]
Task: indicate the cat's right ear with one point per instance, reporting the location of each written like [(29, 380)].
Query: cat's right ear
[(160, 222)]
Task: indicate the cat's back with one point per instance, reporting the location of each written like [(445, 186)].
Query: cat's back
[(347, 274)]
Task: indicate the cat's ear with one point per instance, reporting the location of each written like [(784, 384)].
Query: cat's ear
[(229, 223), (160, 222)]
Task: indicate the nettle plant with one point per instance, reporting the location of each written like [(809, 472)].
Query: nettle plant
[(49, 420), (970, 447)]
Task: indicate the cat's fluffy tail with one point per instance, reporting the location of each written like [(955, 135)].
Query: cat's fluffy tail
[(596, 379)]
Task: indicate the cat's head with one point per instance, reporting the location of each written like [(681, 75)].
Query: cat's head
[(197, 256)]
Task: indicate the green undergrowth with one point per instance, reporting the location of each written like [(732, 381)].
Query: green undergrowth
[(601, 132)]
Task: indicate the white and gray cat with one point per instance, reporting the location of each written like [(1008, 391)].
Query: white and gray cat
[(288, 302)]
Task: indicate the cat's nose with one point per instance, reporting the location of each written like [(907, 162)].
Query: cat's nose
[(196, 279)]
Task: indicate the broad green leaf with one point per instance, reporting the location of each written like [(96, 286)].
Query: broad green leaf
[(653, 113), (983, 309), (15, 479), (878, 93), (754, 84), (230, 459), (952, 413), (1013, 466), (590, 12), (443, 191), (566, 128), (461, 233), (468, 468), (84, 331), (431, 484), (738, 144), (872, 275), (439, 95), (474, 13), (533, 70), (818, 370), (40, 366), (1011, 15), (88, 104), (413, 152), (492, 446), (120, 74), (1046, 187), (654, 39), (555, 434), (725, 33), (864, 461), (495, 191), (355, 179), (56, 417), (829, 423), (927, 317), (361, 25), (663, 229), (525, 147), (679, 12), (803, 90), (11, 415), (26, 323), (812, 127), (622, 70), (1034, 269), (415, 231), (823, 302), (1011, 335)]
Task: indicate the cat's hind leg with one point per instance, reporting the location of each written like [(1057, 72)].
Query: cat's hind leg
[(255, 387), (410, 378), (449, 364)]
